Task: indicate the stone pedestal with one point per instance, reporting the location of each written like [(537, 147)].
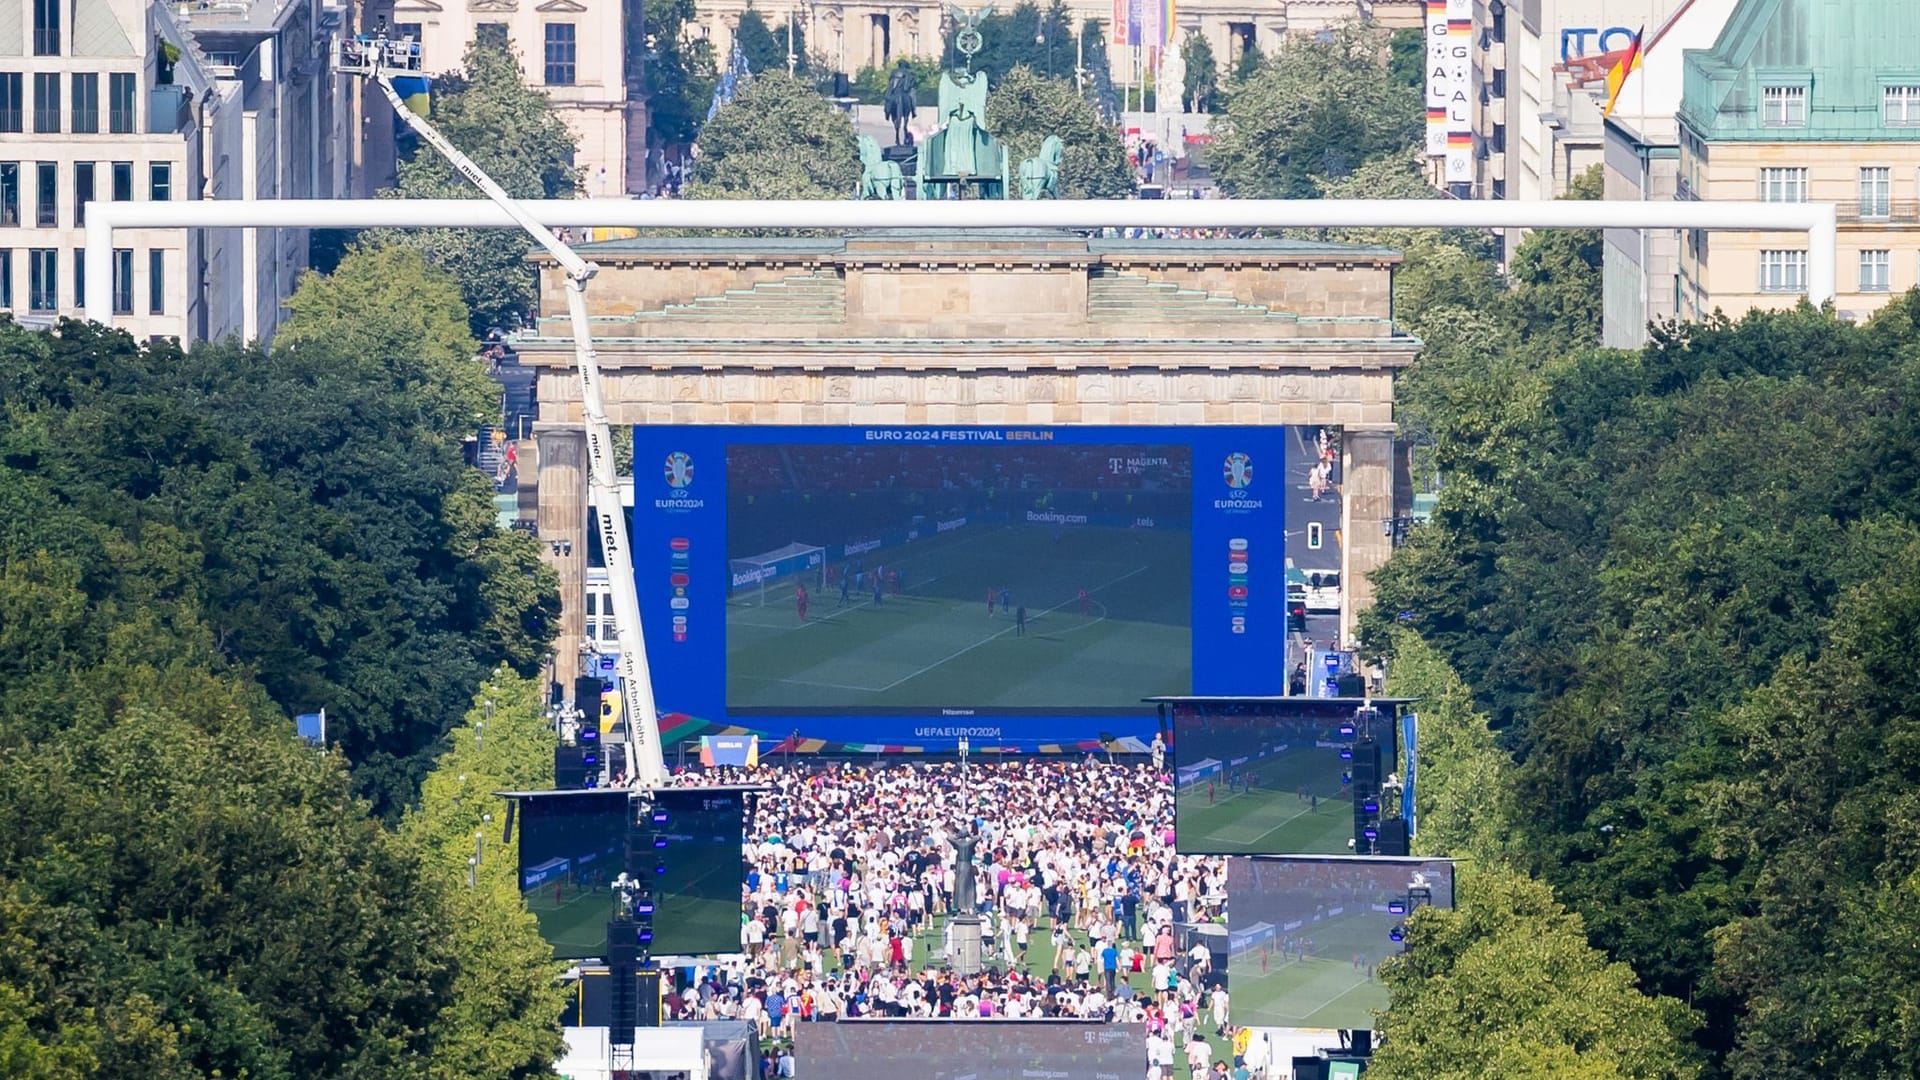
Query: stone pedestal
[(562, 520), (966, 955)]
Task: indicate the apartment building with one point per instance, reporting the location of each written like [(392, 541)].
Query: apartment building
[(1804, 100), (584, 54), (122, 100)]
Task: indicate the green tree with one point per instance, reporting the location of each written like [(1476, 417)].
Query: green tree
[(1202, 81), (1407, 58), (1508, 983), (777, 139), (1098, 85), (1247, 63), (1318, 109), (1556, 274), (1025, 108), (1023, 36), (765, 55), (680, 72), (512, 133), (506, 997), (1462, 804)]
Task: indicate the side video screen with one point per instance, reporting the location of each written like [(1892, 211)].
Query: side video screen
[(572, 846), (1306, 937), (1270, 778), (698, 910), (960, 1050)]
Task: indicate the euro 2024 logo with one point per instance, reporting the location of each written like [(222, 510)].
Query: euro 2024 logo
[(679, 470), (1238, 470)]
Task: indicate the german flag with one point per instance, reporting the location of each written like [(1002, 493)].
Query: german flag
[(1436, 114), (1436, 7), (1462, 27), (1459, 140), (1626, 65)]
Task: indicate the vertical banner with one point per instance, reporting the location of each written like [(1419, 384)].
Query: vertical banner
[(1410, 757), (1166, 22), (1437, 85), (1460, 91), (1152, 29), (1122, 24)]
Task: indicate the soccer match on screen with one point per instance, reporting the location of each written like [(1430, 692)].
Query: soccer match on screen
[(1013, 577)]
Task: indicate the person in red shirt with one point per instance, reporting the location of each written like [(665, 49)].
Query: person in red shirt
[(800, 601), (989, 601)]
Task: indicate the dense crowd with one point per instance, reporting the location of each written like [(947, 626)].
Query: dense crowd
[(851, 882)]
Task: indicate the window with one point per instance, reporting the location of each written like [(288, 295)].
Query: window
[(1876, 192), (123, 181), (160, 182), (1875, 271), (121, 114), (9, 193), (560, 54), (13, 102), (43, 288), (86, 103), (1783, 106), (123, 281), (6, 279), (491, 33), (1901, 106), (46, 195), (1783, 271), (46, 27), (46, 103), (82, 191), (79, 277), (1783, 185), (157, 281)]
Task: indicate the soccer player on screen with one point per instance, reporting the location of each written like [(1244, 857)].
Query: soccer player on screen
[(876, 590), (1006, 599), (990, 601), (1020, 621), (846, 582), (800, 600), (1083, 599)]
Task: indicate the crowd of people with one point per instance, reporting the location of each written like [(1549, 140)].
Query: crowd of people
[(851, 889)]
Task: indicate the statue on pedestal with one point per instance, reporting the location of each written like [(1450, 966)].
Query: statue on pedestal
[(964, 901), (899, 102)]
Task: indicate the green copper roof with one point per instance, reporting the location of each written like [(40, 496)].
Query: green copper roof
[(1843, 54)]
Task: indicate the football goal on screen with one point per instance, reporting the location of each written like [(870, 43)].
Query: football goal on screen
[(772, 575)]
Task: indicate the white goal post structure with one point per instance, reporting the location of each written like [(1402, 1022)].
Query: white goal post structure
[(753, 576), (1819, 221)]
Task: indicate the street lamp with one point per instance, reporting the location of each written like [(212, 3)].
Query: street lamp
[(1041, 39)]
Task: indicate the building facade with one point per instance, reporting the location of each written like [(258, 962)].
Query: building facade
[(1804, 100), (120, 100), (1641, 154), (875, 33), (575, 51)]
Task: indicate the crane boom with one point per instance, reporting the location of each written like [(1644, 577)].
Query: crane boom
[(379, 60)]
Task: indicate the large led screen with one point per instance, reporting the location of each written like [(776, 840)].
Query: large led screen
[(911, 586), (1272, 778), (1306, 937), (959, 1050), (572, 846)]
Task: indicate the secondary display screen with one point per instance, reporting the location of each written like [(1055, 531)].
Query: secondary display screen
[(912, 586), (698, 905), (1306, 937), (962, 1050), (1270, 778), (572, 846), (687, 847)]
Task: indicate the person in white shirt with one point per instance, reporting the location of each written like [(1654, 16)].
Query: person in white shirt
[(1199, 1056)]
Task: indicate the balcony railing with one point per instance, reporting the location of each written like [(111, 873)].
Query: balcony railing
[(1883, 212)]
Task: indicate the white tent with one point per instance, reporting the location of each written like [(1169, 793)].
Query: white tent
[(669, 1053)]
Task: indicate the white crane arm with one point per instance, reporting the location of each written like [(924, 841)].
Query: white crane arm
[(645, 756)]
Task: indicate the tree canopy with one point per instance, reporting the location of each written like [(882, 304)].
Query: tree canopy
[(1024, 108), (1201, 83), (512, 133), (777, 139), (1317, 109), (1668, 577), (193, 546), (1022, 36), (680, 70)]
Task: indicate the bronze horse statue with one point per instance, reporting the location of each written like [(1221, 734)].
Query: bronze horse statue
[(899, 102)]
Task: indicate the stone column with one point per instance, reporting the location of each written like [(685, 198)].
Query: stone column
[(1366, 490), (562, 518)]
